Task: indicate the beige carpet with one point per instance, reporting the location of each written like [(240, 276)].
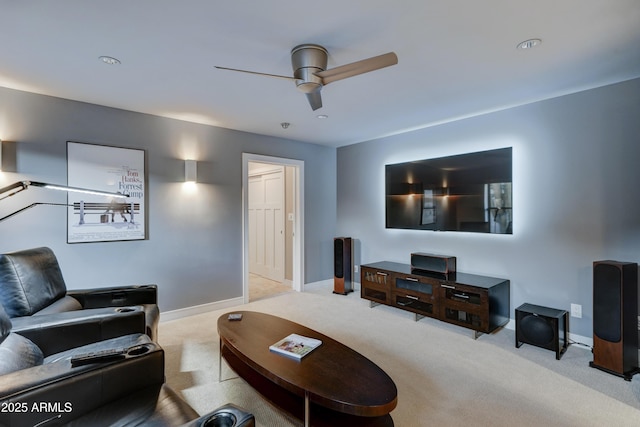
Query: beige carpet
[(444, 377), (261, 287)]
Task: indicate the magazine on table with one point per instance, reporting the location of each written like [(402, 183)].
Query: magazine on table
[(295, 346)]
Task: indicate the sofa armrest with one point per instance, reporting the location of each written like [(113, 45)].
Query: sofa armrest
[(117, 296), (69, 393), (154, 406), (54, 333)]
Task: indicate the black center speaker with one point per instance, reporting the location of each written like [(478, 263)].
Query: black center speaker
[(342, 265), (615, 317), (433, 263)]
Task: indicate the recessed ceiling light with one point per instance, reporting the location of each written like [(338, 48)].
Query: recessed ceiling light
[(322, 116), (110, 60), (285, 125), (528, 44)]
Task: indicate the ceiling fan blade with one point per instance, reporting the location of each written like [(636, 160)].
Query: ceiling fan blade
[(358, 67), (315, 100), (255, 72)]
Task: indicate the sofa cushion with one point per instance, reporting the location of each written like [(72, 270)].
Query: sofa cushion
[(30, 280), (62, 305), (17, 353)]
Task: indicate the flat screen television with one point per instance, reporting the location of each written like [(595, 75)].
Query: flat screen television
[(467, 192)]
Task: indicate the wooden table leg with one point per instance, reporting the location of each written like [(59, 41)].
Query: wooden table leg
[(220, 360), (307, 418)]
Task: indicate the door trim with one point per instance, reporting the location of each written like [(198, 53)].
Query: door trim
[(298, 233)]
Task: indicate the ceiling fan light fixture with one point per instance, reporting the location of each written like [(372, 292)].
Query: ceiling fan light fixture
[(309, 63), (110, 60), (529, 44)]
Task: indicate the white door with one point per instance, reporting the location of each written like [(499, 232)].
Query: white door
[(256, 226), (266, 222), (298, 252)]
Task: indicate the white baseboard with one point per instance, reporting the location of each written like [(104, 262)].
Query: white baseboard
[(319, 284), (328, 283), (180, 313), (583, 342), (199, 309)]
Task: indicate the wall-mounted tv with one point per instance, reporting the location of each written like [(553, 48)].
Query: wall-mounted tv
[(467, 192)]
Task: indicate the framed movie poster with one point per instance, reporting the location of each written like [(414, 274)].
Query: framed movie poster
[(95, 217)]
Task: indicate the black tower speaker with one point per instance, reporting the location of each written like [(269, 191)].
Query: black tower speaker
[(342, 265), (615, 317)]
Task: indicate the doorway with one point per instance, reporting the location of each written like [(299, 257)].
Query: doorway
[(273, 220)]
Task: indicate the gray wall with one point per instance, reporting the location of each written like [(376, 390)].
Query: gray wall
[(194, 249), (576, 200)]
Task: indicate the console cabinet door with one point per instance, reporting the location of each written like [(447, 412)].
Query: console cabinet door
[(416, 294), (466, 306), (375, 285)]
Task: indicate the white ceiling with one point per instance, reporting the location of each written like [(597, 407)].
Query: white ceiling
[(457, 58)]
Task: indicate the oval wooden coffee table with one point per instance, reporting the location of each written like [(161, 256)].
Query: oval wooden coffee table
[(331, 386)]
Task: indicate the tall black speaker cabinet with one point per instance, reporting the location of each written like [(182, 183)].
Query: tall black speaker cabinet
[(615, 317), (342, 265)]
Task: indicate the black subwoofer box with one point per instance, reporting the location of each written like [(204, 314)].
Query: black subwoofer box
[(342, 265), (543, 327), (615, 317)]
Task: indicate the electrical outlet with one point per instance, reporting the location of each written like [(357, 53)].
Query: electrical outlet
[(576, 311)]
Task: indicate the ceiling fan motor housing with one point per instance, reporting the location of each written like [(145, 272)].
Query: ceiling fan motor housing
[(308, 59)]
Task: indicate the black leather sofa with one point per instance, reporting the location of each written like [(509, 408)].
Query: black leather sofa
[(41, 386), (31, 283)]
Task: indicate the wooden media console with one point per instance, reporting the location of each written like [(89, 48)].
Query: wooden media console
[(476, 302)]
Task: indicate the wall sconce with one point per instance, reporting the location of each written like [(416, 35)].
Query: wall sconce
[(405, 189), (444, 191), (415, 188), (190, 171)]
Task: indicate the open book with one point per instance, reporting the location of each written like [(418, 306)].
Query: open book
[(295, 346)]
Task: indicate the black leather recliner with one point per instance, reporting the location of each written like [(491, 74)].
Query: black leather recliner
[(31, 283), (62, 331), (43, 388)]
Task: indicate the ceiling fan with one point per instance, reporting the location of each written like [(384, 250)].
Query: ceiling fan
[(310, 72)]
